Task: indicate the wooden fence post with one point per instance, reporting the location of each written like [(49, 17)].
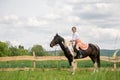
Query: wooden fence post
[(115, 67), (34, 60), (115, 59)]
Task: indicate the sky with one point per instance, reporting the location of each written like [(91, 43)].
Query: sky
[(31, 22)]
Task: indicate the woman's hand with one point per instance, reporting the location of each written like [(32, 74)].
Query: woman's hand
[(71, 40)]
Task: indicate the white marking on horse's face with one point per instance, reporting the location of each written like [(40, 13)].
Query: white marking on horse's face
[(68, 44)]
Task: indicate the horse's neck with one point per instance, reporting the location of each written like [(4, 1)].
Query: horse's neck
[(67, 48), (62, 46)]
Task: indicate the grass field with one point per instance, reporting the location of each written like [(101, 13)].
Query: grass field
[(59, 70), (59, 75), (52, 64)]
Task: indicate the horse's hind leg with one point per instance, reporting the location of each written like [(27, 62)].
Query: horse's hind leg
[(95, 63), (96, 66)]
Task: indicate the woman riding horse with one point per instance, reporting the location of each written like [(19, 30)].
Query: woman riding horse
[(93, 52)]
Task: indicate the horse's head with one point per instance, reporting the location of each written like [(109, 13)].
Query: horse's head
[(56, 40)]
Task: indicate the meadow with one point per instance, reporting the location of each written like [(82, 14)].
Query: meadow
[(56, 74), (53, 64), (58, 70)]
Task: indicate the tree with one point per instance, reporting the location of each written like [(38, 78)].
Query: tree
[(38, 49), (21, 47), (4, 50), (14, 51), (22, 51)]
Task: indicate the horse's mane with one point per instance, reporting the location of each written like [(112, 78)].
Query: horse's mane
[(69, 45)]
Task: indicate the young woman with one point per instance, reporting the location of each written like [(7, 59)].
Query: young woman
[(79, 45)]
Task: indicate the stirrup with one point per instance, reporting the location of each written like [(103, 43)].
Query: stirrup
[(81, 55)]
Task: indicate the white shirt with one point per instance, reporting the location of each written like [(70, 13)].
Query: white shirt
[(75, 36)]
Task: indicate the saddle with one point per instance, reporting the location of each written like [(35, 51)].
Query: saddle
[(81, 45)]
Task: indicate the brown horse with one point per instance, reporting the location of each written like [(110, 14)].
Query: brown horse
[(93, 52)]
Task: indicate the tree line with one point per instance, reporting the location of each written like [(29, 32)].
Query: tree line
[(6, 49)]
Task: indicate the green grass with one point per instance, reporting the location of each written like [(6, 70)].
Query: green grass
[(42, 72), (59, 75), (51, 64), (16, 64)]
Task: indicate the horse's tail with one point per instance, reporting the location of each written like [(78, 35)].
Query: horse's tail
[(98, 57)]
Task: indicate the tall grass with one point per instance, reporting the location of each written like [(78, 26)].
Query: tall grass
[(51, 64), (41, 73), (59, 75)]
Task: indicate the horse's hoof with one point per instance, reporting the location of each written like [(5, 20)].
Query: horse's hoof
[(93, 73), (73, 74)]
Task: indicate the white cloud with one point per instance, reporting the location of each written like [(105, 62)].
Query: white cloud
[(73, 19), (52, 16), (11, 19), (21, 22), (33, 21)]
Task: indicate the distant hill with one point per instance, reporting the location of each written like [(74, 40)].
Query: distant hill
[(106, 52), (103, 52)]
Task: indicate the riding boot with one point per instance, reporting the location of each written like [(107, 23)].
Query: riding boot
[(80, 53)]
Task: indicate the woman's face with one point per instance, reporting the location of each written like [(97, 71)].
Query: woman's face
[(73, 30)]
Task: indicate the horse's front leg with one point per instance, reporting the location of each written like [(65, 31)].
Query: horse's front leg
[(73, 66)]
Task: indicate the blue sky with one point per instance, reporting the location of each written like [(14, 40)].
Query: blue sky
[(30, 22)]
